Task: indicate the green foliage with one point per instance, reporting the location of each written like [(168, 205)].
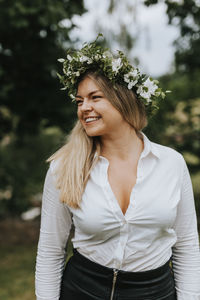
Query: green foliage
[(177, 123), (31, 40), (179, 115), (32, 37), (23, 169), (186, 15)]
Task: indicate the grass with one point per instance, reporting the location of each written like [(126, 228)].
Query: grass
[(17, 270), (17, 265)]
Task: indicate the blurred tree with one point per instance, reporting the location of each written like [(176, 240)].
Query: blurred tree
[(185, 82), (23, 170), (179, 116), (119, 33), (185, 15), (32, 38), (177, 123)]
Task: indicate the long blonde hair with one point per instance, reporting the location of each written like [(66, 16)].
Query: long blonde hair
[(77, 157)]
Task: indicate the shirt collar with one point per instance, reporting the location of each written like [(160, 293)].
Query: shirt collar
[(149, 147)]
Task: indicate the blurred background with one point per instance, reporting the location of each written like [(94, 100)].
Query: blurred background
[(161, 37)]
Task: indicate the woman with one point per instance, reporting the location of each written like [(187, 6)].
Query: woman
[(130, 200)]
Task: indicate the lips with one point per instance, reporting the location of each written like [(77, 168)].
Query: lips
[(91, 119)]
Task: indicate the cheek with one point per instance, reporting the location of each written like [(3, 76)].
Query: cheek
[(78, 113), (116, 118)]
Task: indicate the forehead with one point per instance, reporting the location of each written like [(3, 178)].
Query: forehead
[(87, 85)]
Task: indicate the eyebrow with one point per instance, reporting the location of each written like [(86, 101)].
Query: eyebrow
[(90, 94)]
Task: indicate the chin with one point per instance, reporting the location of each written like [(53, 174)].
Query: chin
[(93, 132)]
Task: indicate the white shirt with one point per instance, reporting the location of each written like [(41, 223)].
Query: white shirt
[(160, 221)]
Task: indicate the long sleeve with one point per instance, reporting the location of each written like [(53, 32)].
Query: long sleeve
[(186, 255), (54, 232)]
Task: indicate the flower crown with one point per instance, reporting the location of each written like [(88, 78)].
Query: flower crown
[(116, 68)]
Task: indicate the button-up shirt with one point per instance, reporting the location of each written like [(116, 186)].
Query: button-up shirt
[(160, 222)]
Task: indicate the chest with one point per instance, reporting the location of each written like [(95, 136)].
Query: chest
[(153, 203), (122, 179)]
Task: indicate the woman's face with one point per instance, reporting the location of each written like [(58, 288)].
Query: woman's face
[(97, 115)]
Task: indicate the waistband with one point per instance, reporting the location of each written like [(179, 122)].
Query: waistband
[(144, 275)]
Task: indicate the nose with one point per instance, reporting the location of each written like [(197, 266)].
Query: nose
[(86, 105)]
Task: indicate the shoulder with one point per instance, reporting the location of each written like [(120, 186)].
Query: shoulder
[(171, 162), (168, 154), (52, 173), (54, 166)]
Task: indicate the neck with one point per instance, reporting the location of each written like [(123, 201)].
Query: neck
[(124, 146)]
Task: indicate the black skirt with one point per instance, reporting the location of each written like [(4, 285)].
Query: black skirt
[(86, 280)]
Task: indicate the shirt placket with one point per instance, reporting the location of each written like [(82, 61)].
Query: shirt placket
[(121, 218)]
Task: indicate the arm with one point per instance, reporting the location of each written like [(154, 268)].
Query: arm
[(186, 255), (54, 232)]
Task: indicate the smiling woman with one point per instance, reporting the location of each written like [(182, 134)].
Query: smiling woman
[(117, 106), (130, 200), (96, 113), (91, 105)]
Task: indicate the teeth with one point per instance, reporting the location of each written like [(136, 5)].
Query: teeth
[(91, 119)]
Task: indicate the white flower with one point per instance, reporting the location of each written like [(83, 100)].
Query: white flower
[(134, 73), (144, 94), (77, 73), (61, 60), (72, 96), (84, 58), (126, 78), (130, 76), (107, 54), (97, 56), (69, 57), (116, 64), (90, 61), (131, 84), (151, 86)]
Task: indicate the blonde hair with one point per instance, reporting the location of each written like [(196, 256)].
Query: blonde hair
[(77, 157)]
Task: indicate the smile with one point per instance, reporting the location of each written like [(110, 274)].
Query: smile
[(91, 119)]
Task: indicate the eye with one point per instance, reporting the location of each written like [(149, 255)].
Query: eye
[(79, 102), (96, 97)]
